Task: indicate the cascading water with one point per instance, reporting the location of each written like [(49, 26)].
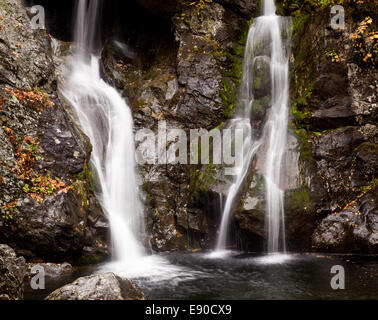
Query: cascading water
[(265, 47), (107, 121)]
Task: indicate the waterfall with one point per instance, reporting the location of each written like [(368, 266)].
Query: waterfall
[(265, 50), (107, 120)]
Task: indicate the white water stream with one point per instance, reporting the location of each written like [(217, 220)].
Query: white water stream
[(264, 46), (106, 119)]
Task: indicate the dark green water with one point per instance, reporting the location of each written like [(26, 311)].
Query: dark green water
[(305, 276)]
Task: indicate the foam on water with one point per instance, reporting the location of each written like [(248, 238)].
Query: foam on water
[(274, 258)]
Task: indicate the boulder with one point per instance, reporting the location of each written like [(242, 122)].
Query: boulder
[(106, 286), (12, 273)]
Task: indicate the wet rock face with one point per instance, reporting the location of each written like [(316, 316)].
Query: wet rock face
[(335, 116), (25, 62), (334, 156), (106, 286), (64, 148), (201, 77), (167, 9), (202, 36), (12, 273), (331, 104), (244, 7), (47, 207), (52, 229), (354, 229)]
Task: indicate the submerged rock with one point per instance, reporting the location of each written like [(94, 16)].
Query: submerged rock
[(106, 286), (12, 273)]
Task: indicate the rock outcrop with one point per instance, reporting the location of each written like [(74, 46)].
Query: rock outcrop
[(334, 95), (12, 273), (106, 286), (47, 207)]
